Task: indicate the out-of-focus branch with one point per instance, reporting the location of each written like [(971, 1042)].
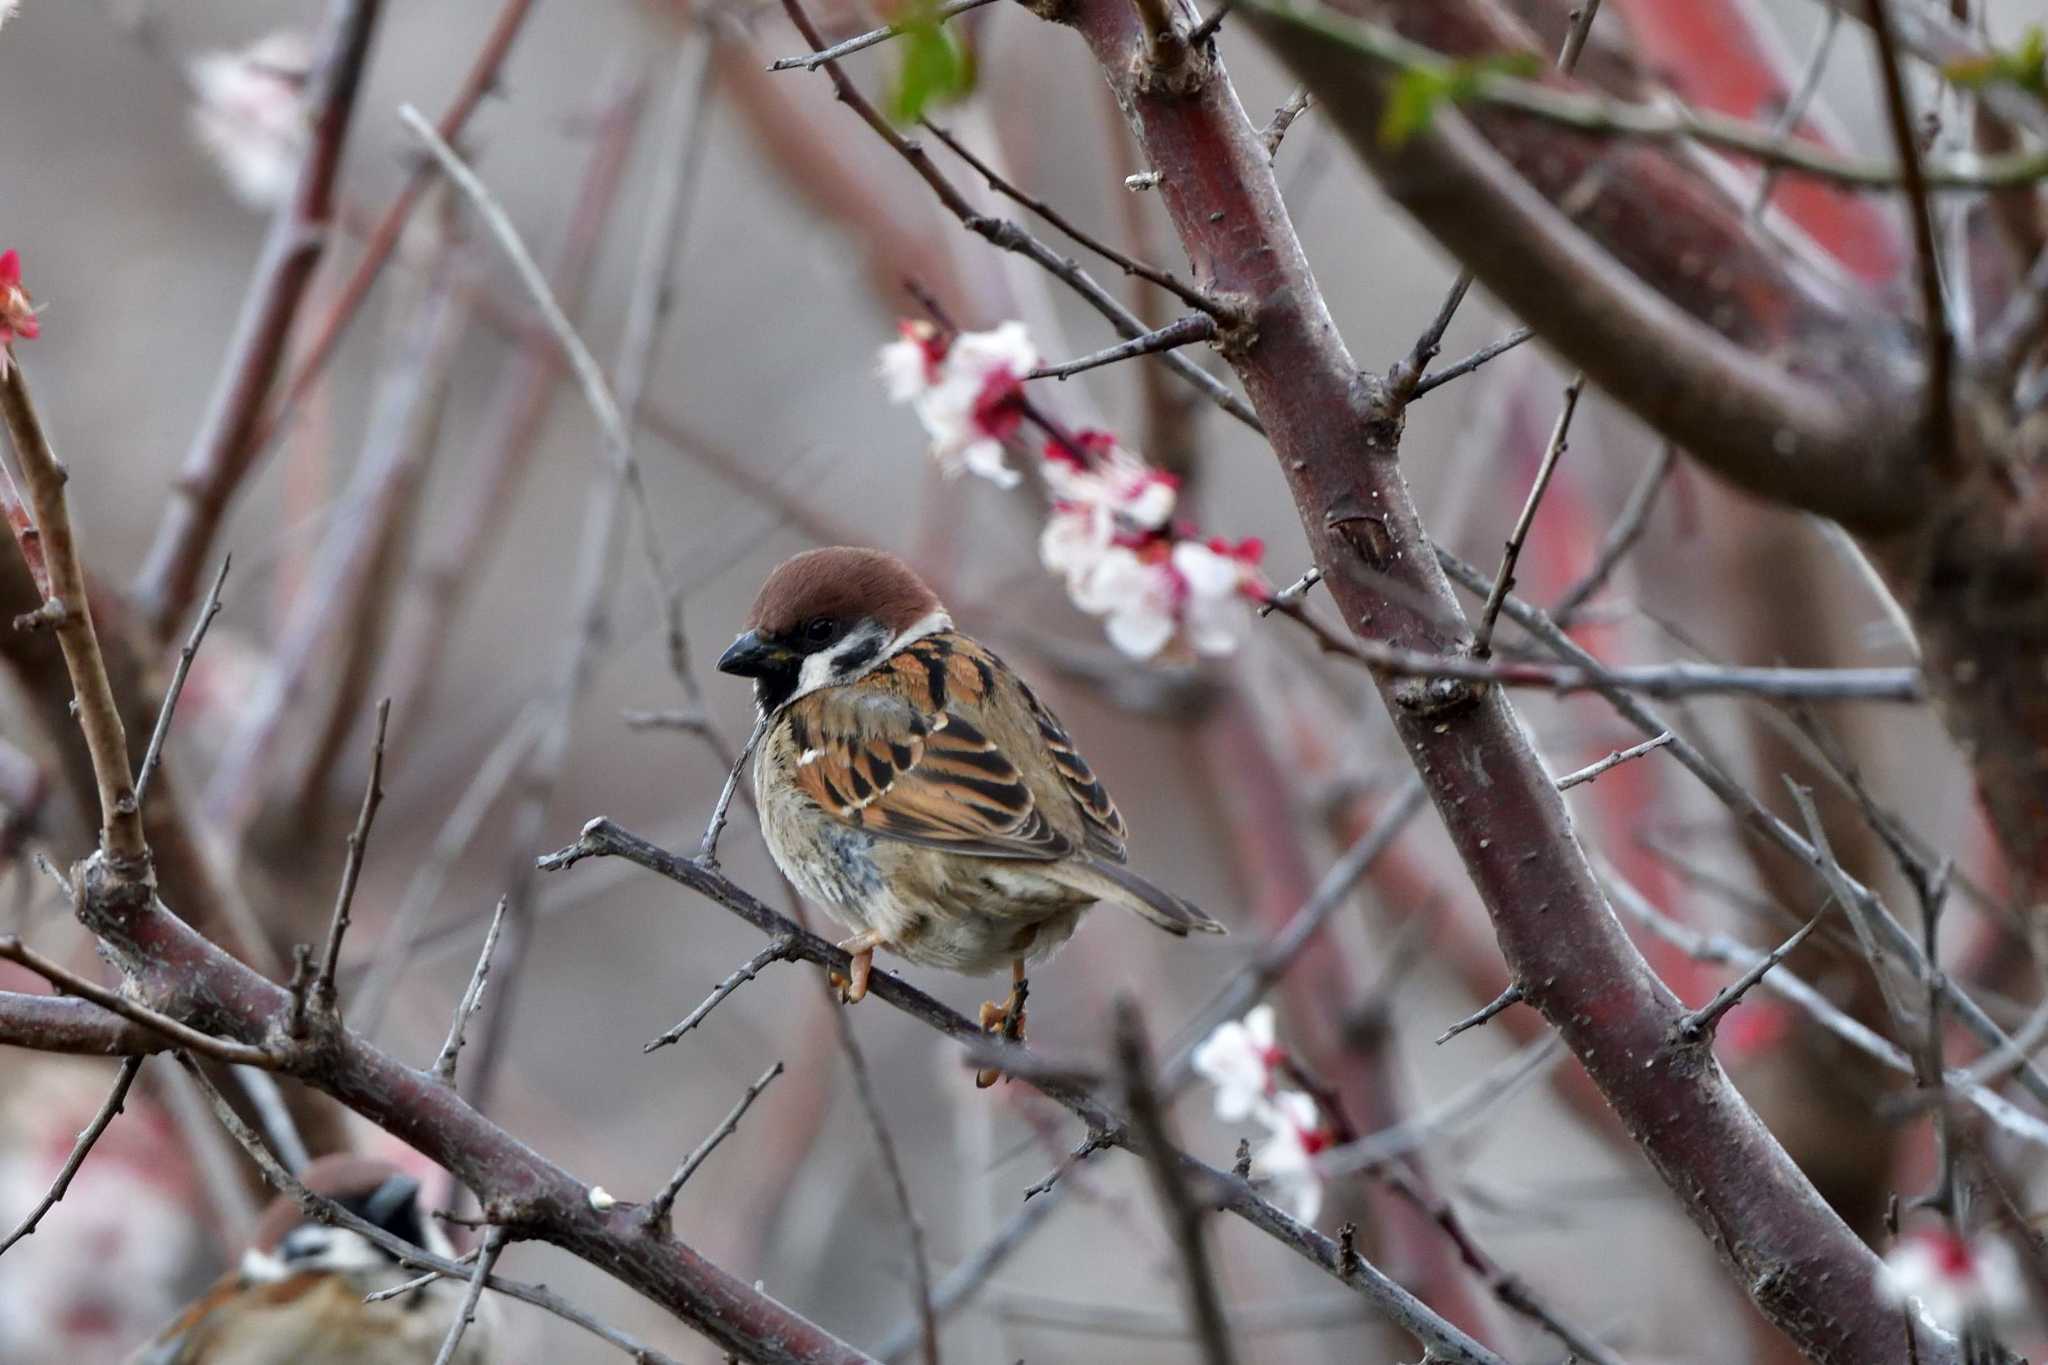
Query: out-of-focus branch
[(226, 445), (510, 430), (1791, 427)]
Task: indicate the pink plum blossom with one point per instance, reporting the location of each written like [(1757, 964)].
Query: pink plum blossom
[(17, 313), (966, 390)]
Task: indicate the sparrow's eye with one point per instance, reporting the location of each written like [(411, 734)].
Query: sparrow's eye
[(820, 630)]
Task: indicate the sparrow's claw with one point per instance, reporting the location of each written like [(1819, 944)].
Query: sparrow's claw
[(1005, 1021), (853, 983)]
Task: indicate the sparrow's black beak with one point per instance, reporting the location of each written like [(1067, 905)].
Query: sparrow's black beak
[(750, 656)]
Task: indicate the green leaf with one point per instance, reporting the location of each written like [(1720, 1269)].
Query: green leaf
[(2025, 65), (1420, 90), (934, 68)]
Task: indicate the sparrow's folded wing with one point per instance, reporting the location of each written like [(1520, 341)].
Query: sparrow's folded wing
[(896, 754), (1102, 826)]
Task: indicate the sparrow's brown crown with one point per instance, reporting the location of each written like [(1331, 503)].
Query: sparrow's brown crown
[(843, 584)]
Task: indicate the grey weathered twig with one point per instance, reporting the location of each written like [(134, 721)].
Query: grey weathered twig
[(778, 951), (154, 754), (1613, 761), (655, 1214), (486, 1260), (811, 61), (472, 997), (1621, 536), (1482, 635), (323, 995), (1154, 1141)]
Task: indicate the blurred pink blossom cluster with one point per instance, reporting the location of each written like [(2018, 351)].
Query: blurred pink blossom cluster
[(1955, 1281), (1246, 1064), (1111, 533), (249, 113)]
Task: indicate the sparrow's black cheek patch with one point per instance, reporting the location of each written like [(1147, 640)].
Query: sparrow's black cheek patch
[(860, 656)]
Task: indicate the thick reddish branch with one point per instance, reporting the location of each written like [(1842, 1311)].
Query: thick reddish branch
[(183, 975), (1336, 441)]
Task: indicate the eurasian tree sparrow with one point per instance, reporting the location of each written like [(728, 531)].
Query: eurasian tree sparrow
[(297, 1297), (913, 785)]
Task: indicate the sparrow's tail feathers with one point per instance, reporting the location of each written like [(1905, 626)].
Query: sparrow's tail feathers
[(1114, 882)]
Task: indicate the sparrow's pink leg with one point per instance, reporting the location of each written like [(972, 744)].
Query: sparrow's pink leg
[(1005, 1021), (853, 988)]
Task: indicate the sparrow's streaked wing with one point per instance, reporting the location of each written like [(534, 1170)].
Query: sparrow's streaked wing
[(899, 753)]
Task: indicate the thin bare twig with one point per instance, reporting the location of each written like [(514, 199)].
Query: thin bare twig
[(352, 865), (1485, 1014), (1482, 638), (486, 1259), (811, 61), (1783, 982), (1621, 537), (655, 1216), (12, 949), (1471, 362), (1283, 118), (154, 754), (707, 848), (778, 951), (1803, 92), (1154, 1141), (1682, 679), (267, 1099), (79, 1150), (1702, 1020), (1165, 279), (1613, 761), (1183, 332), (472, 996), (1407, 381), (899, 1185), (1010, 237), (401, 935)]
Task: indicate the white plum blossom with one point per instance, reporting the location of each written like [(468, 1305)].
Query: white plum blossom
[(1135, 595), (1240, 1059), (1214, 580), (1110, 534), (250, 114), (1245, 1062), (8, 8), (1096, 472), (1955, 1281), (1287, 1159), (966, 390)]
